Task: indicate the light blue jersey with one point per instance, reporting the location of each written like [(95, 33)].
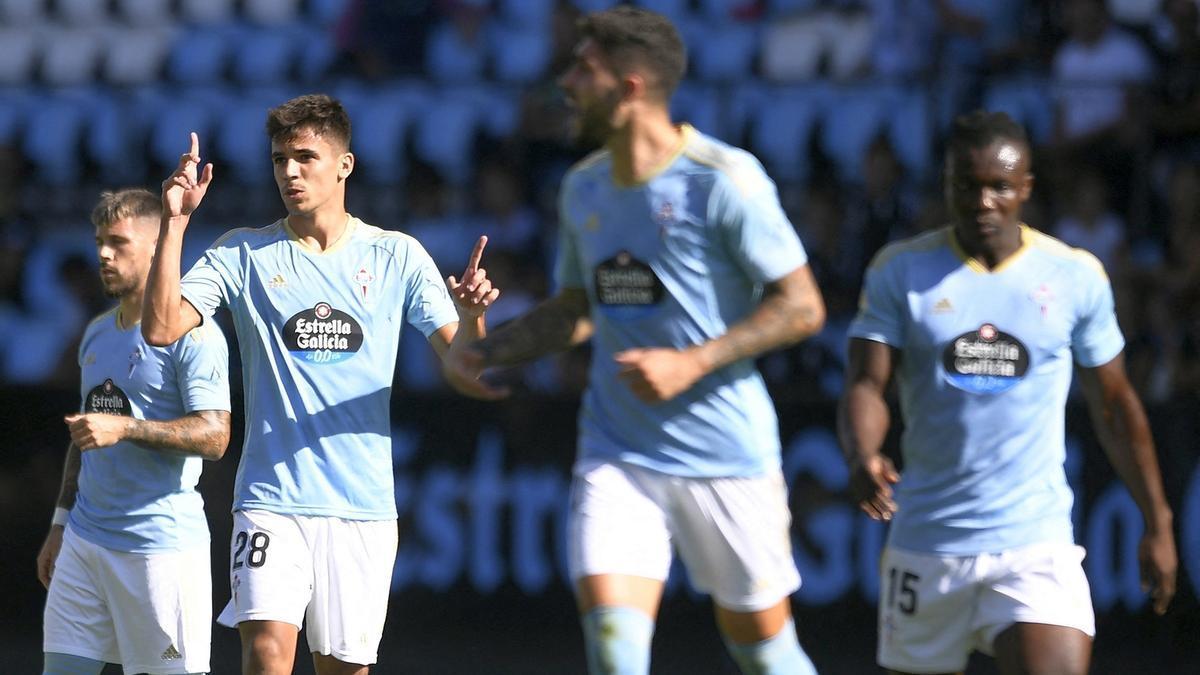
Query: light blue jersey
[(132, 498), (318, 333), (674, 262), (985, 367)]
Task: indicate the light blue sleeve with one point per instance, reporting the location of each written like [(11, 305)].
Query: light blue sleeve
[(757, 232), (428, 305), (1096, 338), (202, 369), (567, 272), (212, 282), (881, 312)]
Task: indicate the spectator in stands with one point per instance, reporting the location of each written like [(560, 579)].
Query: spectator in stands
[(1089, 223)]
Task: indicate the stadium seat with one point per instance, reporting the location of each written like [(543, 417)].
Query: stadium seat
[(854, 116), (533, 14), (520, 52), (144, 13), (725, 53), (381, 123), (18, 55), (174, 119), (111, 136), (676, 10), (82, 12), (497, 107), (317, 52), (1025, 100), (199, 56), (15, 13), (448, 58), (699, 106), (240, 142), (588, 6), (445, 137), (781, 130), (53, 136), (910, 128), (327, 12), (782, 8), (71, 56), (136, 55), (263, 56), (207, 12)]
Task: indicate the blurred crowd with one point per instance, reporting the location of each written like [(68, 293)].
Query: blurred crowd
[(460, 131)]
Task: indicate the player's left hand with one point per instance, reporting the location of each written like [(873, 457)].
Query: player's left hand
[(658, 374), (96, 430), (1158, 564), (474, 293)]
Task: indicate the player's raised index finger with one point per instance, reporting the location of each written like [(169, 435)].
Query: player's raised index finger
[(477, 254), (195, 152)]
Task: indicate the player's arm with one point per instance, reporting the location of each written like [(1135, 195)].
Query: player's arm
[(204, 433), (166, 316), (791, 309), (66, 500), (555, 325), (1121, 426), (862, 425)]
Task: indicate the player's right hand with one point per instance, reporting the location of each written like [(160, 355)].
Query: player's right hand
[(871, 484), (183, 190), (463, 368), (49, 554)]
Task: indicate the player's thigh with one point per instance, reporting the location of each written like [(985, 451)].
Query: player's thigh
[(352, 582), (734, 535), (617, 525), (1042, 592), (271, 568), (926, 605), (77, 619), (162, 609)]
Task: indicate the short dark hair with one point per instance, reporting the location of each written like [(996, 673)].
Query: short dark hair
[(633, 37), (127, 203), (321, 114), (981, 128)]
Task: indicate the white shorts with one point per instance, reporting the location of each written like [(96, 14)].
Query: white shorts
[(934, 610), (332, 573), (732, 533), (149, 612)]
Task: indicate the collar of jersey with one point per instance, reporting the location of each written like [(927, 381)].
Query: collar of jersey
[(686, 132), (976, 266), (345, 236)]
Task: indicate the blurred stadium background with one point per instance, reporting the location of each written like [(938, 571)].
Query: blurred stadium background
[(458, 130)]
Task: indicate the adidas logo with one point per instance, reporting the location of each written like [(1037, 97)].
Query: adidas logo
[(171, 654), (943, 306), (277, 281)]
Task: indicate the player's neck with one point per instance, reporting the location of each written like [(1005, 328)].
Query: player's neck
[(319, 230), (644, 146), (991, 254), (129, 311)]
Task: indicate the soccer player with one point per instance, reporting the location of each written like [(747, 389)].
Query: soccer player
[(126, 561), (676, 258), (318, 299), (982, 322)]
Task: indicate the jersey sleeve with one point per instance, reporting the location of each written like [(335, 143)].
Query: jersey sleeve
[(212, 282), (202, 369), (1096, 337), (567, 270), (881, 313), (745, 205), (428, 305)]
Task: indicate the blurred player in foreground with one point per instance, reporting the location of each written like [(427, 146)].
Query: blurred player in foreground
[(676, 258), (127, 558), (982, 322), (318, 300)]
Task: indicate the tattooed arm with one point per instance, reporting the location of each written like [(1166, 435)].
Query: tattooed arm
[(791, 310), (204, 433), (553, 326)]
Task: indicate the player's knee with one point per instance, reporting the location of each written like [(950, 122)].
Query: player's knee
[(777, 655), (266, 652), (617, 640), (67, 664)]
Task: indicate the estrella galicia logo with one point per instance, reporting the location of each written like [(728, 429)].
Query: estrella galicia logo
[(107, 398), (985, 361), (322, 334), (626, 286)]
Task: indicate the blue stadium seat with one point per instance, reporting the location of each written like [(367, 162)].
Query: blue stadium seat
[(111, 138), (676, 10), (449, 59), (174, 119), (587, 6), (15, 13), (497, 107), (445, 137), (531, 13), (145, 13), (854, 116), (83, 13), (520, 52), (910, 129), (700, 106), (380, 126), (781, 130), (1025, 99), (53, 138), (725, 52), (207, 12), (263, 56), (317, 52), (71, 56), (326, 12), (240, 143), (271, 12), (18, 55), (200, 57)]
